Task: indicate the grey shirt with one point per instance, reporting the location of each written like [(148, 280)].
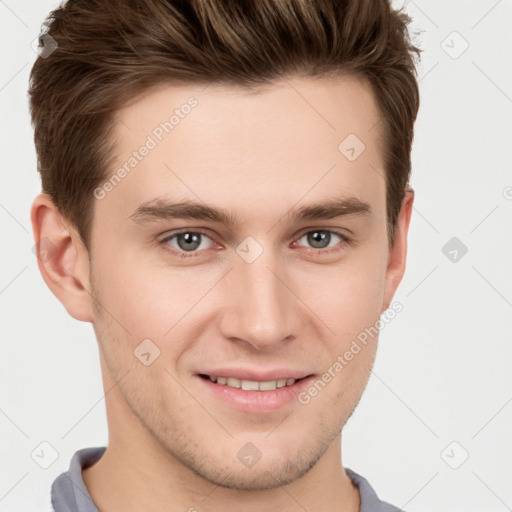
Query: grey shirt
[(69, 493)]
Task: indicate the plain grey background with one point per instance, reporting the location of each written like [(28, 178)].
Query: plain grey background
[(433, 429)]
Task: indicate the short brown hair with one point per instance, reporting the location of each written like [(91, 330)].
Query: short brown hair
[(110, 51)]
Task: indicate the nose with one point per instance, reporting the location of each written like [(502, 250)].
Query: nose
[(261, 308)]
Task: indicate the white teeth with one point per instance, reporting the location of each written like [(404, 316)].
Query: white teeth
[(268, 386), (252, 385), (234, 383)]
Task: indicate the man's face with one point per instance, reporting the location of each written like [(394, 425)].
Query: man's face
[(267, 298)]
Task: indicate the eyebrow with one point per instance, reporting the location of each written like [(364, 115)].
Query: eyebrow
[(159, 209)]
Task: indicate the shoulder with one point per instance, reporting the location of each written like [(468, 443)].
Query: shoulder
[(68, 492), (370, 502)]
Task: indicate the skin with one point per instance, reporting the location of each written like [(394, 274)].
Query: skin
[(172, 445)]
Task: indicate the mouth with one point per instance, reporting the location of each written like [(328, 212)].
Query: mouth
[(251, 385), (255, 396)]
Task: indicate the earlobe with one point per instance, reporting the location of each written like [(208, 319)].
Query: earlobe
[(62, 258), (398, 254)]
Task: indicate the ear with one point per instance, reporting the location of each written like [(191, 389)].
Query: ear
[(62, 258), (398, 253)]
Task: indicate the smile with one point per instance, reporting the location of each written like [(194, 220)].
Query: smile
[(251, 385)]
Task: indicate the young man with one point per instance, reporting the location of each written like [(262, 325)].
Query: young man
[(226, 200)]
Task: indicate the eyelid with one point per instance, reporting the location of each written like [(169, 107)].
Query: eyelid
[(344, 233), (180, 231)]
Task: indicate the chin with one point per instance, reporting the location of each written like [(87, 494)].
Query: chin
[(267, 476)]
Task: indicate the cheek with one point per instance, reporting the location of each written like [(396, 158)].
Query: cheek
[(347, 298), (150, 300), (133, 290)]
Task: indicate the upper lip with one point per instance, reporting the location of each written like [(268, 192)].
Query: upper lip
[(257, 375)]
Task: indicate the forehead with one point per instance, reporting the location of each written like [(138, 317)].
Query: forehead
[(265, 149)]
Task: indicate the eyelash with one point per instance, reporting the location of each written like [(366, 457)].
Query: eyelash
[(194, 254)]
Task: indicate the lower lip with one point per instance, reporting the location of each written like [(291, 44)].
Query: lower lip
[(256, 401)]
